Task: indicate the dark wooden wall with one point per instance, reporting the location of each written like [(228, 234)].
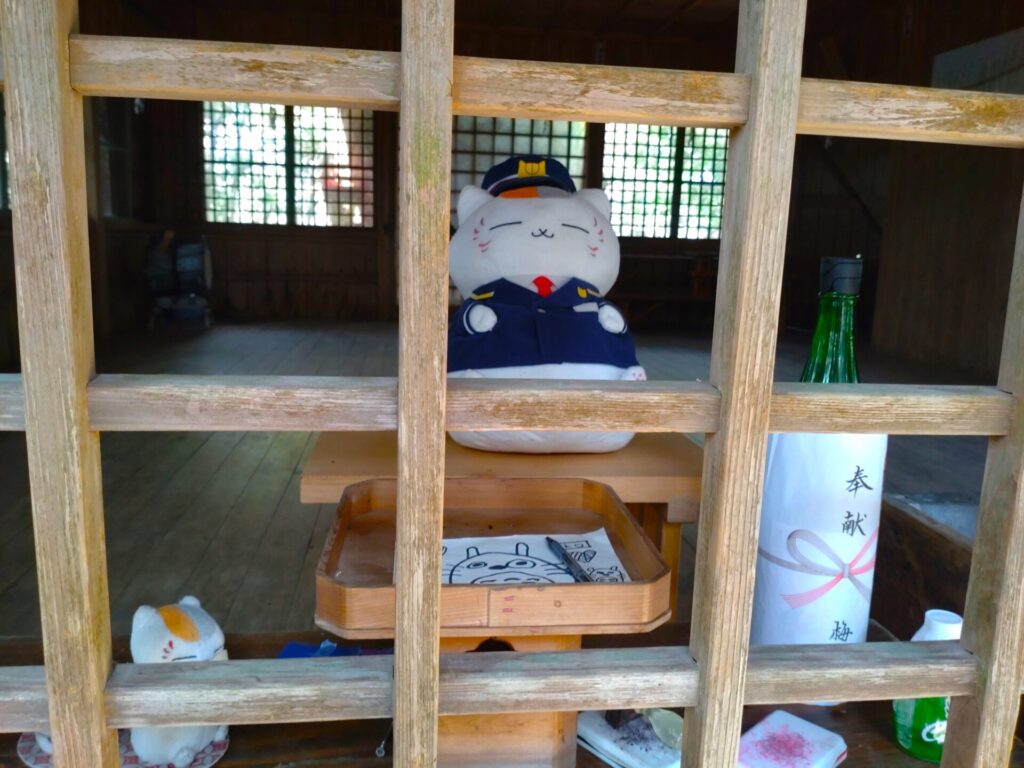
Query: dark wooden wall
[(950, 227)]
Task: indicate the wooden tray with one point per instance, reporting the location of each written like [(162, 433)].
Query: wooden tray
[(355, 593)]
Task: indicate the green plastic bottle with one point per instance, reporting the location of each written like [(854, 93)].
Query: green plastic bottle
[(921, 723)]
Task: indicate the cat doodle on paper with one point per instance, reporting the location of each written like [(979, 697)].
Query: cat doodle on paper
[(610, 574), (517, 567)]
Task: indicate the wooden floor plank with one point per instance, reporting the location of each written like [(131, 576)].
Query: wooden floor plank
[(130, 551), (176, 557), (300, 617), (227, 556), (269, 590)]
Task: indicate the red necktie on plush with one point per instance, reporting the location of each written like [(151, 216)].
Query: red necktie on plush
[(544, 286)]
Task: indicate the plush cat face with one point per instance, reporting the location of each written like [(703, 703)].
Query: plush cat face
[(503, 568), (558, 235), (179, 632)]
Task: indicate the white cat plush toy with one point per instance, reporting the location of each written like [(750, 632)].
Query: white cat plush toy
[(533, 259), (179, 632)]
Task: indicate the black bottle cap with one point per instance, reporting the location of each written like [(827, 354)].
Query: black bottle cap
[(841, 275)]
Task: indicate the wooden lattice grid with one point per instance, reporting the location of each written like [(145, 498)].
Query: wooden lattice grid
[(63, 406)]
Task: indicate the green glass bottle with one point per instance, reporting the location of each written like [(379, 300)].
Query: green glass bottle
[(920, 724), (832, 359)]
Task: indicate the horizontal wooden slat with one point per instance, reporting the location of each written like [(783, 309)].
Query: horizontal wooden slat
[(905, 113), (201, 70), (896, 409), (23, 700), (197, 70), (599, 94), (577, 406), (789, 674), (279, 691), (237, 403), (232, 403), (360, 687), (12, 403)]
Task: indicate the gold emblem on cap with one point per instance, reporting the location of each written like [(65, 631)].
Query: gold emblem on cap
[(532, 169)]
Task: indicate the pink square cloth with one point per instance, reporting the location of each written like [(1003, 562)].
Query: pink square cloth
[(783, 740)]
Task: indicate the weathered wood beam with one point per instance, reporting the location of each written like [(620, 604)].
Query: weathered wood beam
[(200, 70), (51, 261), (910, 113), (424, 175), (753, 249), (24, 704), (896, 409), (478, 683), (12, 403), (138, 403), (197, 70)]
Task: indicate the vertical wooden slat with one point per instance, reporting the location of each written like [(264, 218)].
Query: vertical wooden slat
[(981, 728), (758, 182), (51, 236), (423, 219)]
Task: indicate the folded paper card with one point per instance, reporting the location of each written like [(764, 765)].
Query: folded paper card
[(783, 740), (527, 559)]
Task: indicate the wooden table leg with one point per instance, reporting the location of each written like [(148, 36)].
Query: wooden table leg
[(512, 739)]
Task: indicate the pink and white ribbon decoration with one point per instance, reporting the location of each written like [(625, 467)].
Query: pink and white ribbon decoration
[(801, 563)]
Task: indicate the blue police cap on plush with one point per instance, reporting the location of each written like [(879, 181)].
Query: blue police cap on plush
[(527, 172)]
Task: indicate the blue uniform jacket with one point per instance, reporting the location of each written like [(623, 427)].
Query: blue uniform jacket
[(536, 331)]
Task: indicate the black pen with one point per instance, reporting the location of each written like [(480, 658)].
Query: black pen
[(574, 568)]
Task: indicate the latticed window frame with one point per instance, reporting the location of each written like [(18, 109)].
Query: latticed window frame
[(354, 183), (688, 187), (478, 142)]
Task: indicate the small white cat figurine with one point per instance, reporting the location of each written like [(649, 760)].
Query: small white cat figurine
[(180, 632), (533, 259)]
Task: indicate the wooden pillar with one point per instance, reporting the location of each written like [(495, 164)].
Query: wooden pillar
[(758, 182), (981, 728), (51, 250), (424, 180)]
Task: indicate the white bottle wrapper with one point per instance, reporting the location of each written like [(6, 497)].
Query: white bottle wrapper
[(819, 530)]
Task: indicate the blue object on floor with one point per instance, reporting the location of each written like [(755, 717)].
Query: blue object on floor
[(308, 650)]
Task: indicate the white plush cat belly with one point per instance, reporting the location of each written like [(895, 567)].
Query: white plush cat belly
[(549, 442)]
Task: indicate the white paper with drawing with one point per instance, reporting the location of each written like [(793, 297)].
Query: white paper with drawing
[(527, 559)]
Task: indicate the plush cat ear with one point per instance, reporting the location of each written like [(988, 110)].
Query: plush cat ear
[(189, 600), (596, 197), (471, 198), (142, 616)]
